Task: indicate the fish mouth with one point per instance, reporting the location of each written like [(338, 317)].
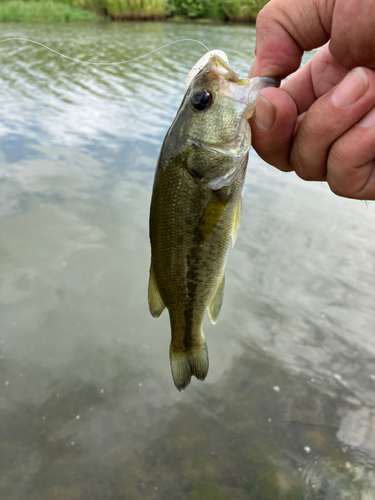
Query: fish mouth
[(241, 90), (246, 90)]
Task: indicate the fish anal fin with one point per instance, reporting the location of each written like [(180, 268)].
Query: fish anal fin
[(216, 301), (184, 364), (155, 302), (211, 216), (236, 221)]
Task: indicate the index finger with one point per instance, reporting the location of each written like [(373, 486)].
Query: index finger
[(284, 30)]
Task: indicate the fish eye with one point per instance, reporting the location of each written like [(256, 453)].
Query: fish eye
[(201, 100)]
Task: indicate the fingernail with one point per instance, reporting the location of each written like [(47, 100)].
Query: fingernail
[(265, 113), (368, 121), (252, 67), (351, 88)]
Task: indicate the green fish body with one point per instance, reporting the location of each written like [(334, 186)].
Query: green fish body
[(196, 208)]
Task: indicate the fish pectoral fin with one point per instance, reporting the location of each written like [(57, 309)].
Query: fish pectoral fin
[(236, 221), (155, 302), (216, 302), (216, 179), (211, 216)]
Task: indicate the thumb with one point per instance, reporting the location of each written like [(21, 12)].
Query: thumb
[(284, 30)]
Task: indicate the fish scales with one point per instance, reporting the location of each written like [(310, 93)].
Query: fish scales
[(196, 196), (185, 269)]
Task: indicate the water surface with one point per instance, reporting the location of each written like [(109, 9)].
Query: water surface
[(88, 409)]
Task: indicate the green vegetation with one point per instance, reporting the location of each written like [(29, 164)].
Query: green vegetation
[(135, 9), (189, 8), (225, 10), (42, 11), (81, 10), (242, 10)]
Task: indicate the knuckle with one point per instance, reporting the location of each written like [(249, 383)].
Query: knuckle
[(340, 50), (339, 189), (309, 152), (300, 166), (304, 168), (304, 173), (338, 155), (340, 176), (269, 13), (353, 181), (282, 165), (263, 17), (276, 159)]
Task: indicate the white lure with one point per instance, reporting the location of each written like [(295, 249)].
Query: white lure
[(202, 62)]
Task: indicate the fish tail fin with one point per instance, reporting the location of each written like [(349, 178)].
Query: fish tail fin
[(184, 364)]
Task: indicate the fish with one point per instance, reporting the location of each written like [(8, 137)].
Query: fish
[(196, 206)]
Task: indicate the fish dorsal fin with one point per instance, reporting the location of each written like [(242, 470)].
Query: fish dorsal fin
[(236, 221), (217, 300), (211, 216), (155, 302)]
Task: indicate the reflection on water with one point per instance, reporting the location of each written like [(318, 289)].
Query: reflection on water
[(87, 404)]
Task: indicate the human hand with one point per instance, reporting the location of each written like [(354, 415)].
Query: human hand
[(322, 122)]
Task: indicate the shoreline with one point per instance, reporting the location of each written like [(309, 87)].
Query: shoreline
[(100, 10), (180, 20)]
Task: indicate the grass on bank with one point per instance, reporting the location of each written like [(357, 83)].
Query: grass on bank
[(79, 10), (136, 9), (17, 10), (224, 10)]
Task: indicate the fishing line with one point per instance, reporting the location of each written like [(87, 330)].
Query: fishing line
[(107, 63)]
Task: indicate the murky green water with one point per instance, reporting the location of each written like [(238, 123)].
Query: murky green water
[(88, 409)]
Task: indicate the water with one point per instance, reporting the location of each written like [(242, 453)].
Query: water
[(88, 409)]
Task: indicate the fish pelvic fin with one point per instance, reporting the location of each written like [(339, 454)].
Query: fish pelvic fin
[(155, 302), (236, 221), (184, 364), (211, 217), (216, 302)]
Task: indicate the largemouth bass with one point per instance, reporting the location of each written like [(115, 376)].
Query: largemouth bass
[(196, 206)]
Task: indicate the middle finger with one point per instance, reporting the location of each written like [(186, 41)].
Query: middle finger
[(327, 119)]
